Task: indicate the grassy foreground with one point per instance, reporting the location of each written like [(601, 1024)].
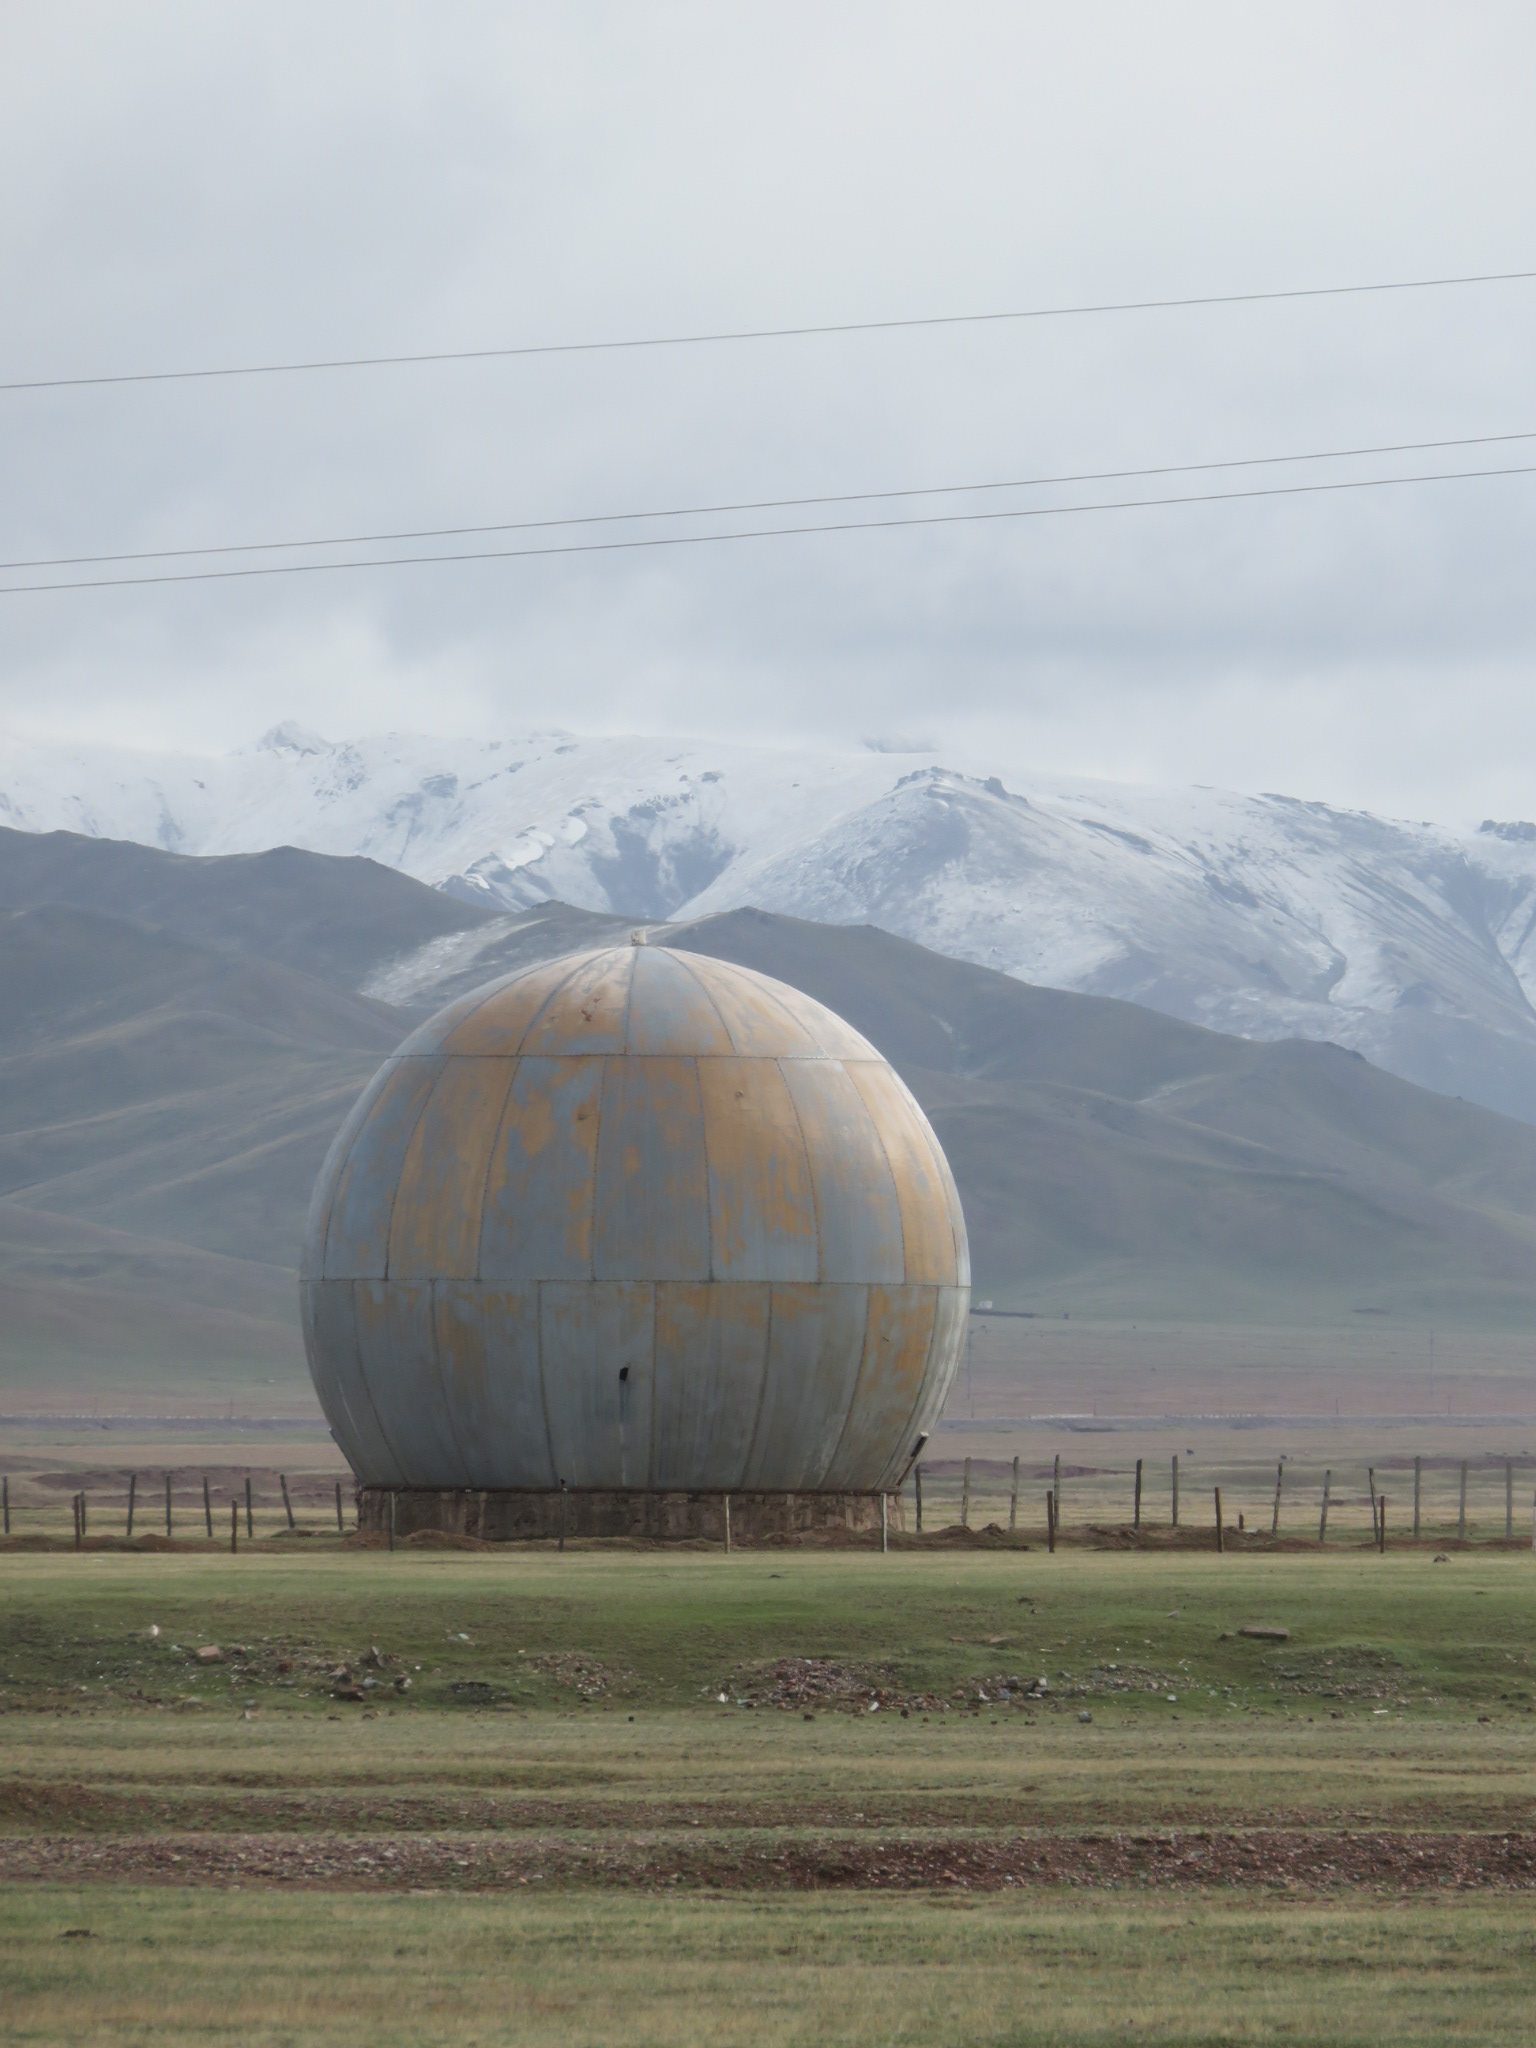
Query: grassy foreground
[(170, 1966), (557, 1831)]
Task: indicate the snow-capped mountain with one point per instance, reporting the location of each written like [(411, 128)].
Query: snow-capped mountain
[(1413, 943)]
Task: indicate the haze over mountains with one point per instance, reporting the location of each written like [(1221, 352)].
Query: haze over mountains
[(180, 1037), (1264, 916)]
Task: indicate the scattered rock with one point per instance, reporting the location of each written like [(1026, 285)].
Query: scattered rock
[(210, 1653), (1085, 1716), (1264, 1632)]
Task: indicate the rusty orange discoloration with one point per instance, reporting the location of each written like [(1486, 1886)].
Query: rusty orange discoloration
[(350, 1231), (499, 1022), (897, 1341), (539, 1190), (590, 1012), (757, 1022), (924, 1191), (665, 1012), (435, 1229), (762, 1210), (652, 1194)]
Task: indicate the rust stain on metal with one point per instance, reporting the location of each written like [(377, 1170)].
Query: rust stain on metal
[(500, 1021), (762, 1210), (434, 1232), (537, 1221), (925, 1191)]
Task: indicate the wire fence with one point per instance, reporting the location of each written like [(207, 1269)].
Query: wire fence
[(151, 1508), (1426, 1499)]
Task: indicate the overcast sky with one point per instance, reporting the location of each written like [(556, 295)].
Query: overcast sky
[(208, 184)]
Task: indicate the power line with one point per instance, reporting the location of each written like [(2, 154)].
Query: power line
[(684, 540), (572, 348), (1022, 483)]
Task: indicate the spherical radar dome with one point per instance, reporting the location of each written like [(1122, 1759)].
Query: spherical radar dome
[(635, 1219)]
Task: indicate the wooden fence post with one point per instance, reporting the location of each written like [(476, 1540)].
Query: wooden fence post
[(133, 1487), (1274, 1519), (167, 1503), (1221, 1541), (207, 1508), (1136, 1501), (392, 1519), (1370, 1482), (250, 1526), (1013, 1499), (234, 1528), (917, 1495), (1418, 1487), (1461, 1509), (1050, 1522), (563, 1499), (1322, 1520), (965, 1495), (282, 1480), (1381, 1524), (726, 1501), (1509, 1501), (78, 1504), (885, 1520), (341, 1527), (5, 1505), (1175, 1489)]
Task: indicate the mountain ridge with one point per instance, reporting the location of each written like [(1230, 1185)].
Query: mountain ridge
[(1265, 916)]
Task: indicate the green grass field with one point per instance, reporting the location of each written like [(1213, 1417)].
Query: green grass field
[(558, 1832)]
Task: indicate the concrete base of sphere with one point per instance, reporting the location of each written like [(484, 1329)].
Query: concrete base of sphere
[(507, 1517)]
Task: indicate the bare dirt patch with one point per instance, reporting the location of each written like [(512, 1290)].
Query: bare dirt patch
[(1270, 1860)]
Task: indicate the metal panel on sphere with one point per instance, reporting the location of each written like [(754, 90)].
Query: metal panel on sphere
[(596, 1344), (487, 1345), (711, 1357), (540, 1190)]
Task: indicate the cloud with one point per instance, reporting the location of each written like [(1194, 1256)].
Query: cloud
[(257, 182)]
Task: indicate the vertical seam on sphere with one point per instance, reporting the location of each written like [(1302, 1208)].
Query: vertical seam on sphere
[(685, 961), (362, 1379), (768, 995), (762, 1388), (405, 1153), (538, 1340), (444, 1393), (890, 1167), (493, 989), (629, 993), (650, 1431), (810, 1170), (597, 1163), (853, 1398), (922, 1386), (709, 1192), (577, 962), (493, 1153)]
